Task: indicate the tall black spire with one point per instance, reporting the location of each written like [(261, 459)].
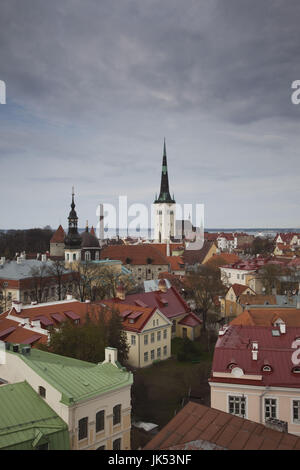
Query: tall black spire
[(164, 195), (73, 238)]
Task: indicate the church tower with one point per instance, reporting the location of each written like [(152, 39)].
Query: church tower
[(73, 239), (165, 207)]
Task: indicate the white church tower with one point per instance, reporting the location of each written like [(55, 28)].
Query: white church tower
[(164, 208)]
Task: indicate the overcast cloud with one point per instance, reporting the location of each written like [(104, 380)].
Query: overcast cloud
[(93, 86)]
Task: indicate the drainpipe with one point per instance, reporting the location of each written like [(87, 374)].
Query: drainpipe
[(260, 404)]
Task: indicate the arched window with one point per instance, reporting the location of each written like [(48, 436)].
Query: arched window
[(267, 369), (87, 256)]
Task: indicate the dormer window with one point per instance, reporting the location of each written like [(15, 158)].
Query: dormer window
[(267, 369), (296, 370), (42, 391), (231, 365)]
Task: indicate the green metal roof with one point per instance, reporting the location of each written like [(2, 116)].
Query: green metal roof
[(76, 380), (26, 420)]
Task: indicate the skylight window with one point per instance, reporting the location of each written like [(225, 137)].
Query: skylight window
[(275, 333)]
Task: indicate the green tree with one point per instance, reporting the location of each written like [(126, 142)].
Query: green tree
[(116, 336)]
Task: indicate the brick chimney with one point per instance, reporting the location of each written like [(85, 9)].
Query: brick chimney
[(111, 356), (162, 285)]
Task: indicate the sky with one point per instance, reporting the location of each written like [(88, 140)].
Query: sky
[(94, 86)]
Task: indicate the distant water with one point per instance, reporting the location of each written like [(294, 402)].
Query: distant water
[(148, 233)]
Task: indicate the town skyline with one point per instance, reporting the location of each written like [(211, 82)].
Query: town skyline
[(95, 103)]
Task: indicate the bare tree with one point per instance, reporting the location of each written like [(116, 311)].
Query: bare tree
[(39, 281), (57, 271), (202, 287)]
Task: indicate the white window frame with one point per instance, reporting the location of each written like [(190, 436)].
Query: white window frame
[(277, 406), (238, 395)]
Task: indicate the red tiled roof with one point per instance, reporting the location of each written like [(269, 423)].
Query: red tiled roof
[(238, 289), (58, 236), (210, 236), (138, 254), (236, 342), (129, 311), (197, 256), (175, 305), (267, 317), (198, 427), (176, 263), (190, 320), (228, 258)]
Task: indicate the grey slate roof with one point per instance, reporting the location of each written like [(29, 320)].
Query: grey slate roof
[(14, 271)]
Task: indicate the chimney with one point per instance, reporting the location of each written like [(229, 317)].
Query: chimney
[(162, 285), (254, 350), (17, 306), (168, 248), (111, 356), (120, 292), (282, 327), (254, 354), (36, 323)]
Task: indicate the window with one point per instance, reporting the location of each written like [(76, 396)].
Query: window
[(42, 392), (74, 256), (296, 411), (100, 420), (270, 408), (158, 335), (152, 354), (117, 414), (101, 448), (238, 276), (184, 332), (82, 428), (157, 322), (145, 357), (146, 339), (237, 405), (133, 340), (25, 296), (267, 369), (158, 352), (165, 334), (97, 258), (68, 257), (174, 326), (165, 350), (152, 337), (87, 256), (117, 444)]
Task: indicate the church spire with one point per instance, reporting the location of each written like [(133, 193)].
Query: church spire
[(73, 238), (164, 195)]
